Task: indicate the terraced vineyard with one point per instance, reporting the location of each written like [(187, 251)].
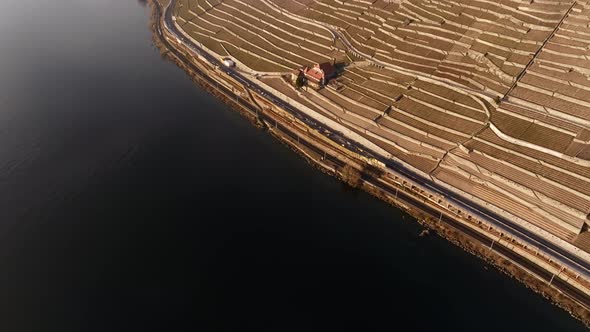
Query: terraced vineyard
[(489, 97)]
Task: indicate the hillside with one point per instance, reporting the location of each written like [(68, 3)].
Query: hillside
[(489, 97)]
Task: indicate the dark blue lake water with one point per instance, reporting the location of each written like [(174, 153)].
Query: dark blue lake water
[(132, 201)]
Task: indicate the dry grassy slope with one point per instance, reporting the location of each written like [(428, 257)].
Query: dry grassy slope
[(491, 97)]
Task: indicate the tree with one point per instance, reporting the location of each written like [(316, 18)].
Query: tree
[(300, 81), (373, 171), (351, 176)]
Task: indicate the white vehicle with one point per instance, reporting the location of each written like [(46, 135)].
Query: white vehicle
[(229, 63)]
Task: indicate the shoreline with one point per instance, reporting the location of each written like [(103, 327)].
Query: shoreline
[(444, 229)]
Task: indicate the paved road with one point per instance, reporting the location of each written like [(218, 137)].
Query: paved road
[(505, 225)]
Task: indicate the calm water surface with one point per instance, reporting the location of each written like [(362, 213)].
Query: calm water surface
[(132, 201)]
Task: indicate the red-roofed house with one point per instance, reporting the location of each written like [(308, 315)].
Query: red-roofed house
[(318, 75)]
